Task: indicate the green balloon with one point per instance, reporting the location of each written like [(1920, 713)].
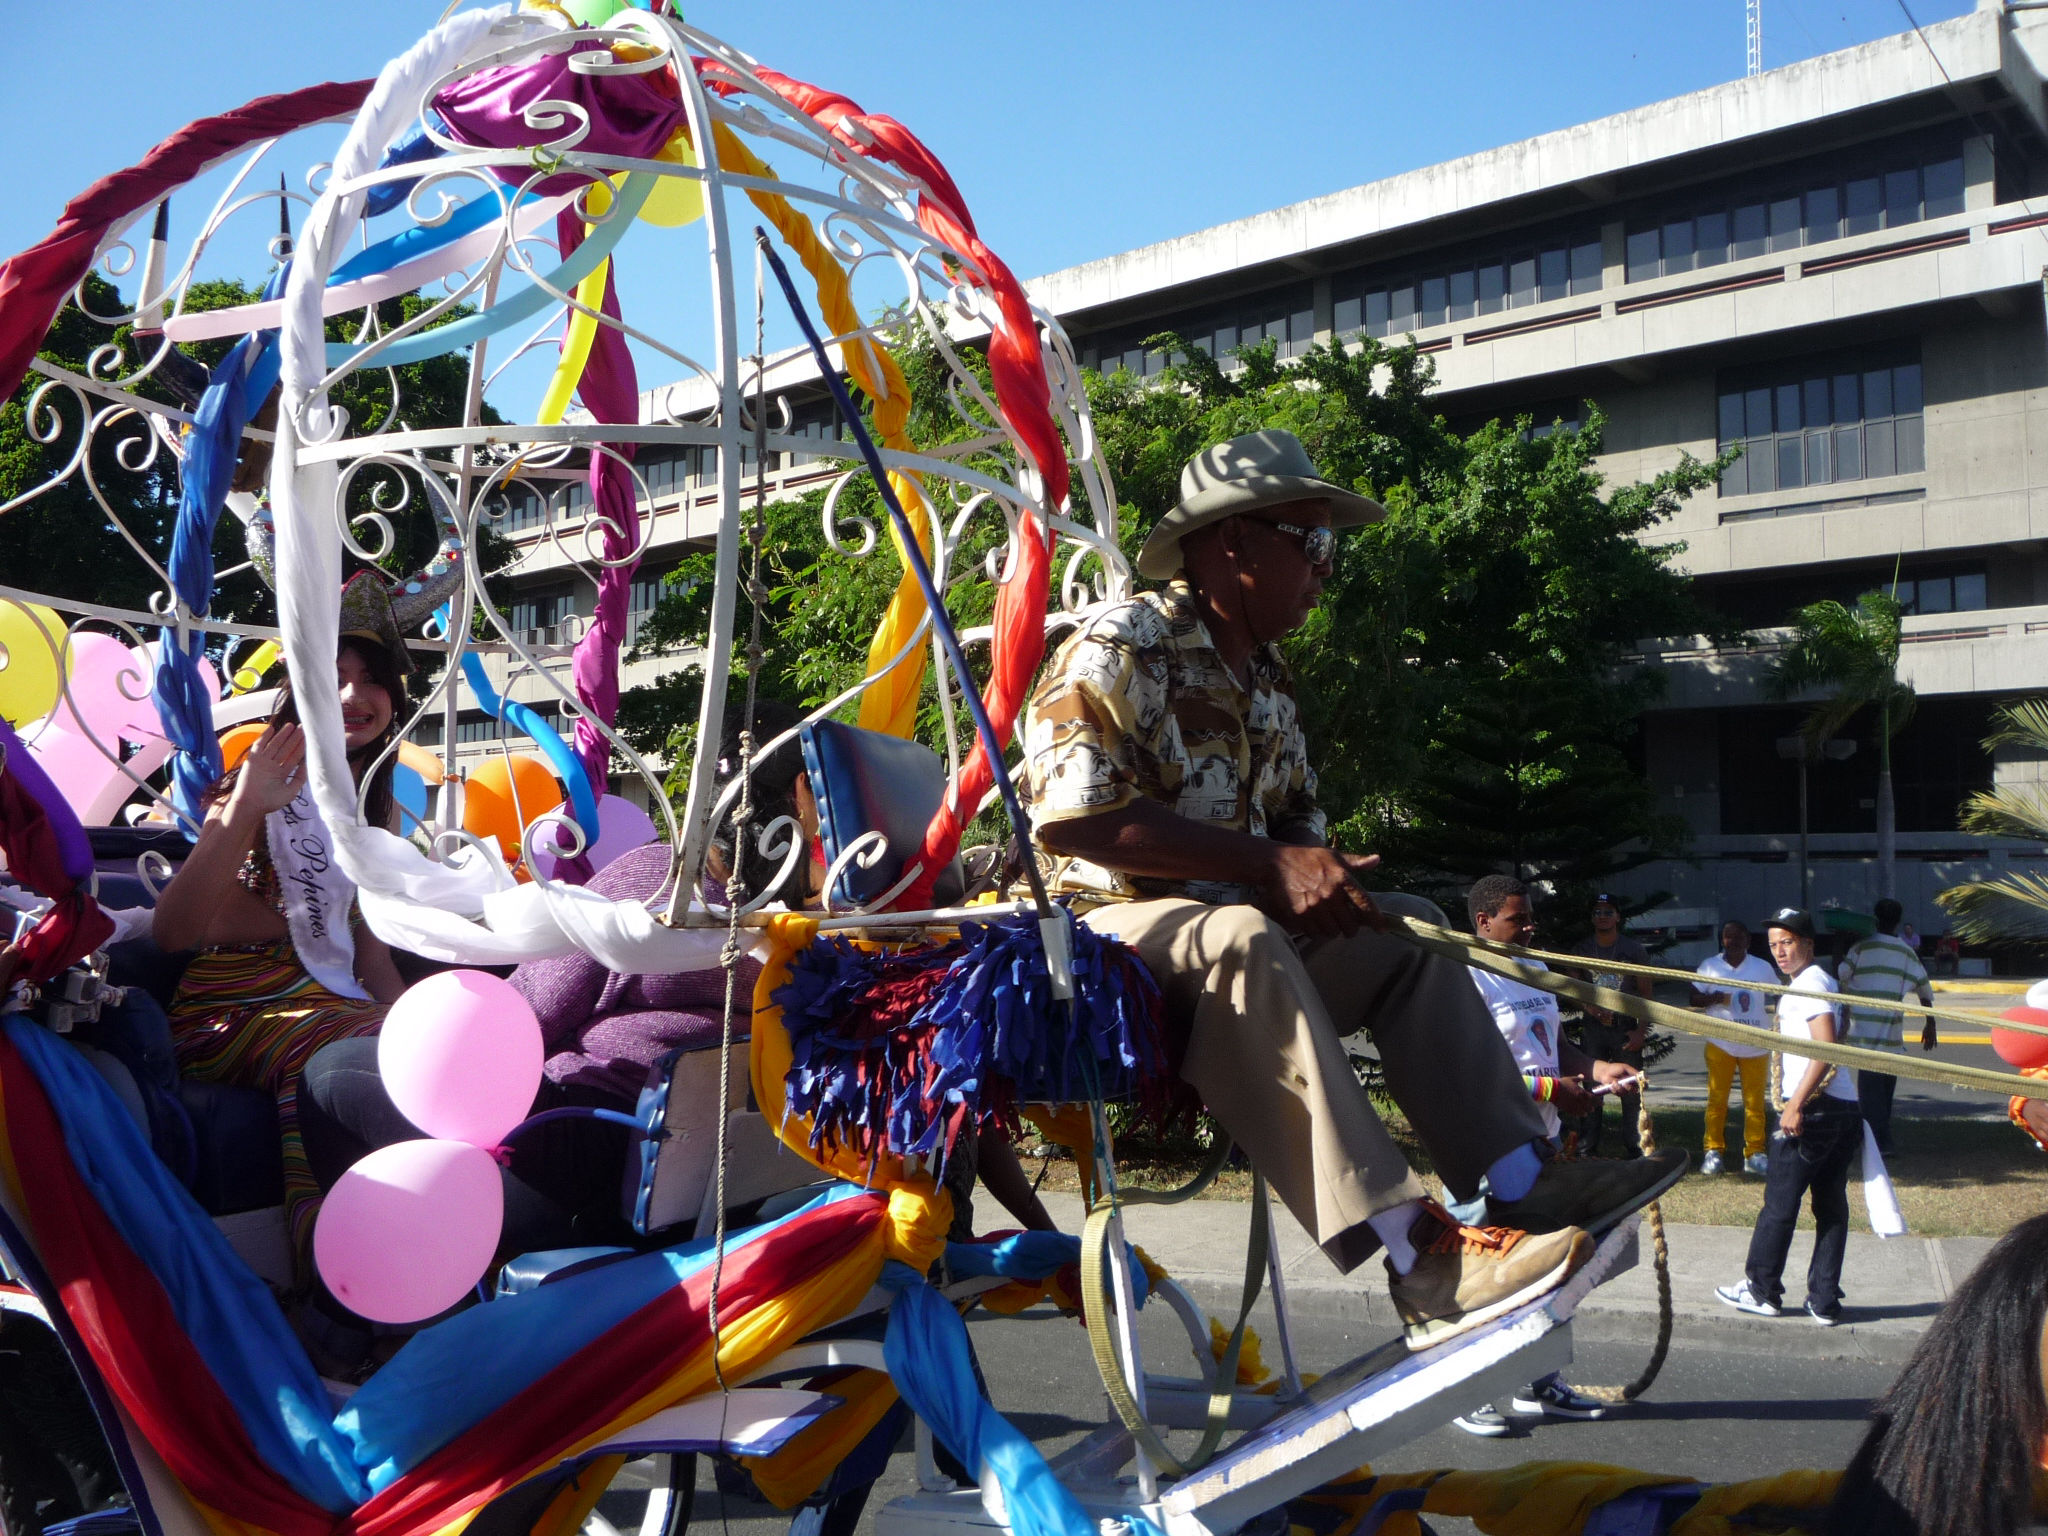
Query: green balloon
[(594, 13)]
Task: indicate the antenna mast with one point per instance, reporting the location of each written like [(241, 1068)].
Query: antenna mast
[(1753, 33)]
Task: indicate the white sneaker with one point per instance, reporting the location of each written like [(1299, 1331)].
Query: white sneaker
[(1489, 1423), (1823, 1319), (1760, 1165), (1710, 1164), (1743, 1299)]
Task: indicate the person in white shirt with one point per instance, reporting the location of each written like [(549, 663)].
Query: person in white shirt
[(1560, 1078), (1737, 1002), (1820, 1131)]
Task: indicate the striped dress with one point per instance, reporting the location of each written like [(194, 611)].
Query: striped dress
[(250, 1014)]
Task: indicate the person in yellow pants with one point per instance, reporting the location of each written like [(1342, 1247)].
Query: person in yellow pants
[(1725, 994)]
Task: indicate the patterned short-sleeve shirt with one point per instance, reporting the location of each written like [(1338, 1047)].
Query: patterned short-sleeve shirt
[(1138, 702)]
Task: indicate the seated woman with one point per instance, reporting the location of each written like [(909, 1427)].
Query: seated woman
[(277, 976)]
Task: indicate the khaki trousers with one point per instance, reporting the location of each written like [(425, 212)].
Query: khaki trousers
[(1265, 1023)]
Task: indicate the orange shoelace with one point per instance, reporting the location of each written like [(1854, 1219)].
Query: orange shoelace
[(1453, 1236)]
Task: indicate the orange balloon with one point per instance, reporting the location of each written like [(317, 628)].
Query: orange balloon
[(489, 807), (235, 744)]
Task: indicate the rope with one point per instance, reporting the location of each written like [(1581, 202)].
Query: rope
[(1665, 973), (1660, 1252), (1500, 958)]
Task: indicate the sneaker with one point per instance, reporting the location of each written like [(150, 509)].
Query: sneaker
[(1710, 1164), (1488, 1423), (1465, 1276), (1558, 1401), (1743, 1299), (1826, 1319), (1757, 1164), (1592, 1195)]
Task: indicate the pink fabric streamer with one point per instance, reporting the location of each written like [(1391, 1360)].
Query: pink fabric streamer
[(626, 115), (610, 391), (34, 284)]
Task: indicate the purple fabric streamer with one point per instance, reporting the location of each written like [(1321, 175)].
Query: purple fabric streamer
[(73, 846), (610, 391), (628, 115)]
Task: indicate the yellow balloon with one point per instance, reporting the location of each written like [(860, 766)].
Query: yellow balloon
[(249, 673), (30, 673)]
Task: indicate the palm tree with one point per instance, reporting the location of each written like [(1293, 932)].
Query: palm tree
[(1853, 654), (2014, 907)]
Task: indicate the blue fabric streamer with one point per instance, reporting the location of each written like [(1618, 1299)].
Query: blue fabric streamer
[(928, 1359), (240, 384), (229, 1314), (922, 1043), (1033, 1256), (560, 755), (414, 148)]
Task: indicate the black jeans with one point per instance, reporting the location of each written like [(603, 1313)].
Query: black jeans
[(563, 1188), (1816, 1161), (1603, 1042), (1874, 1091)]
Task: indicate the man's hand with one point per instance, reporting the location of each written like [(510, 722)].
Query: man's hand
[(1928, 1039), (1636, 1038), (1610, 1073), (1572, 1097), (1314, 891), (1791, 1117), (2035, 1113)]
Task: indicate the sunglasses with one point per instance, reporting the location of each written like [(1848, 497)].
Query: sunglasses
[(1317, 544)]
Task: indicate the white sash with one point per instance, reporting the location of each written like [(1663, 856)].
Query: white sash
[(317, 895)]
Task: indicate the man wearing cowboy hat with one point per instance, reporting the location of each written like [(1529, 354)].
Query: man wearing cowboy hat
[(1170, 780)]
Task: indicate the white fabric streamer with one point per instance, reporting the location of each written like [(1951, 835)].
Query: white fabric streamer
[(467, 909), (1879, 1198)]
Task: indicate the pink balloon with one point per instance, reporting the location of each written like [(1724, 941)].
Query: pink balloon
[(410, 1229), (621, 827), (78, 768), (105, 678), (460, 1055)]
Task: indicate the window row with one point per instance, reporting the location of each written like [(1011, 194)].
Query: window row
[(1820, 426), (1754, 225), (1288, 320), (1484, 287)]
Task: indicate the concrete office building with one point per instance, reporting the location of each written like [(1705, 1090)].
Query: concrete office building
[(1838, 264)]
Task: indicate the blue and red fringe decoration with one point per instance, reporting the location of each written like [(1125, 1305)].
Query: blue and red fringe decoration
[(901, 1052)]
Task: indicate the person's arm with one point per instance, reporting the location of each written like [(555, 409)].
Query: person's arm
[(1923, 988), (375, 968), (202, 899), (1310, 889), (1822, 1028), (1003, 1176)]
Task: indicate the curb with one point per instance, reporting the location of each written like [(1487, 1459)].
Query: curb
[(1993, 988)]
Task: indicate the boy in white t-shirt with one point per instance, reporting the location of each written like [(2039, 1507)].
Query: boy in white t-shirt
[(1820, 1131), (1559, 1077), (1735, 1000)]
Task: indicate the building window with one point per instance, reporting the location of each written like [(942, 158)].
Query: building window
[(1829, 201), (1819, 422), (643, 596), (1372, 304), (1964, 591), (428, 732), (1286, 318), (478, 727), (533, 614)]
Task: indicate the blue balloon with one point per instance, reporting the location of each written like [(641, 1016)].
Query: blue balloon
[(410, 791)]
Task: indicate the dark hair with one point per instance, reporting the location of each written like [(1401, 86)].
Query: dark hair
[(1490, 893), (1887, 913), (1953, 1444), (383, 670), (774, 779)]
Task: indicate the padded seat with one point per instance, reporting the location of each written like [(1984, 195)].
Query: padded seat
[(866, 782)]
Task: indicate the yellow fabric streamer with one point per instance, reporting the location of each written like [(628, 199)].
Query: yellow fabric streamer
[(800, 1468), (890, 705), (576, 1498)]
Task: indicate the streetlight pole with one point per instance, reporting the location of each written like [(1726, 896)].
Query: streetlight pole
[(1799, 749)]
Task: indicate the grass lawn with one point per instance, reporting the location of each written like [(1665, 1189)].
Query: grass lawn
[(1955, 1178)]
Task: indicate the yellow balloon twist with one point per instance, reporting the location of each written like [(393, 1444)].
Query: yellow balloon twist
[(890, 705)]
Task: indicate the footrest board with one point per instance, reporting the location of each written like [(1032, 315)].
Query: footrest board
[(1381, 1401)]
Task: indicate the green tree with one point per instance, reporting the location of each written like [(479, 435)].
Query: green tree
[(1853, 654), (2012, 909)]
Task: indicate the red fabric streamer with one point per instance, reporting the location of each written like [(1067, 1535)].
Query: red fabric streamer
[(35, 283), (75, 926), (131, 1331), (1017, 365)]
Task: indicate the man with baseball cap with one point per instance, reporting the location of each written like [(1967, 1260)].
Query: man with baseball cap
[(1820, 1131), (1170, 782)]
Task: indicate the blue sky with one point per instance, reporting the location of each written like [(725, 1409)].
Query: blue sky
[(1075, 129)]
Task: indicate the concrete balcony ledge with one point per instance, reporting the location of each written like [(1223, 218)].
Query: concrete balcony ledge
[(1991, 650)]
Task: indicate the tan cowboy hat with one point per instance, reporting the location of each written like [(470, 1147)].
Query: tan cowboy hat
[(1260, 469)]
